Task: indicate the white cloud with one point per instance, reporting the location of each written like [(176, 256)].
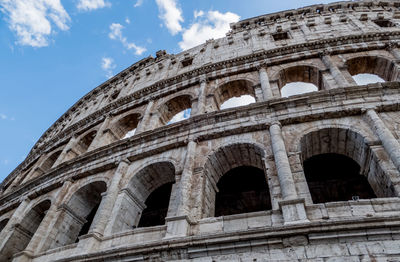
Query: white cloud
[(297, 88), (89, 5), (171, 15), (238, 101), (107, 64), (127, 20), (213, 25), (3, 116), (116, 34), (138, 3), (33, 20), (365, 79), (198, 13)]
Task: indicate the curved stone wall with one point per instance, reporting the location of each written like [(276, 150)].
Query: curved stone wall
[(114, 158)]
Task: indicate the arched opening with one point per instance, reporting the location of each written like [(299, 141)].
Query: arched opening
[(371, 69), (234, 94), (3, 224), (175, 110), (84, 143), (24, 231), (156, 207), (49, 162), (126, 126), (242, 190), (339, 165), (334, 177), (299, 80), (144, 202), (236, 181), (79, 213)]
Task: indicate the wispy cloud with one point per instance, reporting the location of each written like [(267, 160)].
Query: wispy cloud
[(171, 15), (107, 64), (3, 116), (116, 34), (138, 3), (33, 20), (211, 25), (89, 5), (5, 162)]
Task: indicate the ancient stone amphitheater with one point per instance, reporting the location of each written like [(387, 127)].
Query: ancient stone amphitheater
[(309, 177)]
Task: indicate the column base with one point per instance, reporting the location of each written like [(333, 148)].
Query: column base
[(293, 211), (24, 256), (178, 226)]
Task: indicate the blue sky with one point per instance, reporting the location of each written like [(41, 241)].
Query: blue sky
[(52, 52)]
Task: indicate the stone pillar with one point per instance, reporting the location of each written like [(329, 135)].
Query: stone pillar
[(201, 103), (106, 206), (292, 206), (265, 85), (275, 88), (179, 223), (389, 142), (15, 219), (96, 143), (336, 73), (71, 143), (145, 119), (396, 53)]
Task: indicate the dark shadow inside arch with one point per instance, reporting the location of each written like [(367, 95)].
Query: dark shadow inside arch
[(3, 224), (242, 190), (156, 207), (334, 177)]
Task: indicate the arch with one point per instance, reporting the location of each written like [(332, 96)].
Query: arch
[(241, 88), (125, 125), (50, 160), (297, 79), (343, 146), (140, 201), (78, 213), (375, 65), (224, 168), (24, 231), (174, 106), (85, 141)]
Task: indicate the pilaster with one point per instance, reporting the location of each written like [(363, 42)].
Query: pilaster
[(265, 85), (142, 126)]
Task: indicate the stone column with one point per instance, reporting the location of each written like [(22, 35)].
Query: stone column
[(395, 51), (265, 85), (179, 223), (71, 143), (389, 142), (106, 206), (292, 206), (46, 226), (96, 143), (15, 219), (201, 104), (145, 119), (336, 73)]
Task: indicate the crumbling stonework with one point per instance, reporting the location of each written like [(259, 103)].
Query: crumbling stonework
[(85, 188)]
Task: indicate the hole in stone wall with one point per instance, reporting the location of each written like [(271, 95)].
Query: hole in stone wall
[(334, 177), (384, 23), (24, 231), (242, 190), (365, 79), (126, 126), (89, 220), (156, 207), (86, 141), (49, 162), (379, 66), (235, 93), (280, 36), (178, 107), (297, 88)]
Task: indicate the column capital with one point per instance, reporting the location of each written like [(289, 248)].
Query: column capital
[(366, 109), (324, 53), (262, 66), (276, 122), (123, 160), (391, 45), (203, 79)]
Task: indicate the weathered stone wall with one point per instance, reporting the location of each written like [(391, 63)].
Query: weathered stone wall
[(80, 193)]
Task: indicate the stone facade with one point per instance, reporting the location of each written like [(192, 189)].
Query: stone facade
[(84, 191)]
